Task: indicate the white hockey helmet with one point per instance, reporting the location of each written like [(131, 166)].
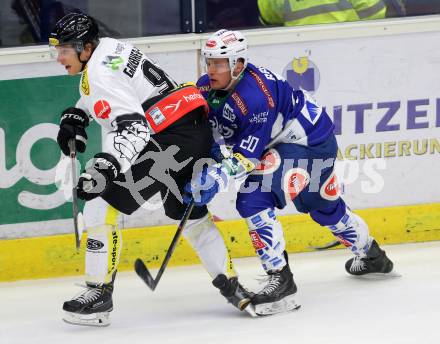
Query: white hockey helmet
[(227, 44)]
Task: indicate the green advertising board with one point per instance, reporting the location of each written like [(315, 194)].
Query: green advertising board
[(29, 115)]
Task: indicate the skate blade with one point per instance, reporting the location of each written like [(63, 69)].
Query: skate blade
[(377, 276), (250, 309), (95, 319), (285, 305)]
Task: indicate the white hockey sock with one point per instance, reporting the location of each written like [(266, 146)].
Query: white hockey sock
[(104, 242), (207, 241)]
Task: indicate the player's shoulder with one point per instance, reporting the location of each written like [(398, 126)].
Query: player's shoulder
[(108, 60), (203, 85), (251, 92)]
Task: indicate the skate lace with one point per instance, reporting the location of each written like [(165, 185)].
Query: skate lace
[(273, 282), (89, 295), (357, 265)]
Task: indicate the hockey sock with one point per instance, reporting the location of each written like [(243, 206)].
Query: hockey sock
[(207, 240), (268, 239), (350, 229), (104, 244)]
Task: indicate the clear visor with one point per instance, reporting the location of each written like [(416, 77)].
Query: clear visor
[(219, 65), (63, 50)]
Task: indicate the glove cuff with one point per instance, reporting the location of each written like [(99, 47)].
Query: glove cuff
[(75, 117), (107, 164)]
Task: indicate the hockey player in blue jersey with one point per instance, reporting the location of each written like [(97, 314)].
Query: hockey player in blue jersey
[(283, 148)]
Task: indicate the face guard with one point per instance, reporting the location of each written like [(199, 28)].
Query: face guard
[(64, 50)]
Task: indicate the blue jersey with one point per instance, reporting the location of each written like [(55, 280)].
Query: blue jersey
[(263, 110)]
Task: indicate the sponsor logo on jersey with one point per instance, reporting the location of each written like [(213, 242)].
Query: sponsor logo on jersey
[(269, 163), (174, 107), (94, 245), (295, 181), (211, 43), (259, 118), (256, 240), (330, 190), (228, 113), (85, 88), (191, 97), (133, 62), (157, 116), (263, 88), (113, 62), (241, 105), (102, 109), (204, 88), (119, 48), (229, 38)]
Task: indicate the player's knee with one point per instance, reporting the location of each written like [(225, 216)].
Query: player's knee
[(330, 215), (246, 206), (195, 228), (98, 213)]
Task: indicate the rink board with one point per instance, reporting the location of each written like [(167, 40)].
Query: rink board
[(55, 256)]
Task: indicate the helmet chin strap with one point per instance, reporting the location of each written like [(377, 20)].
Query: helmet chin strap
[(233, 80)]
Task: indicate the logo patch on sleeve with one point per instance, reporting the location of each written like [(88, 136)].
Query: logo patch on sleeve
[(102, 109), (85, 88)]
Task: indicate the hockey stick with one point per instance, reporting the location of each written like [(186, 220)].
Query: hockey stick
[(140, 267), (72, 149), (331, 244)]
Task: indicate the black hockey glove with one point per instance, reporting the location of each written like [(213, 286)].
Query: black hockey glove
[(72, 126), (94, 180)]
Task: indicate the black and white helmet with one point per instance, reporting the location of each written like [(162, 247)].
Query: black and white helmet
[(227, 44), (76, 29)]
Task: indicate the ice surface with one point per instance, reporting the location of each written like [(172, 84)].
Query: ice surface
[(186, 308)]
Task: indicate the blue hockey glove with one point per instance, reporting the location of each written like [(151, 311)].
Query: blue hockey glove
[(206, 184)]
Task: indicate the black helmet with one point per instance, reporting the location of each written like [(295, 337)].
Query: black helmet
[(76, 29)]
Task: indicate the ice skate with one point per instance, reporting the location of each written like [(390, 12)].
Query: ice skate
[(91, 307), (279, 294), (235, 293), (374, 264)]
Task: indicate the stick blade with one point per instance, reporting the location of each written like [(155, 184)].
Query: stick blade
[(144, 274)]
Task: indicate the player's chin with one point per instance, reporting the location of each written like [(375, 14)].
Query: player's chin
[(215, 85)]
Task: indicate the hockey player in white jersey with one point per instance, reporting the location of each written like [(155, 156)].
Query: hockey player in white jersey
[(154, 133)]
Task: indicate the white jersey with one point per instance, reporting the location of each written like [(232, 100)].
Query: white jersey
[(117, 80)]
